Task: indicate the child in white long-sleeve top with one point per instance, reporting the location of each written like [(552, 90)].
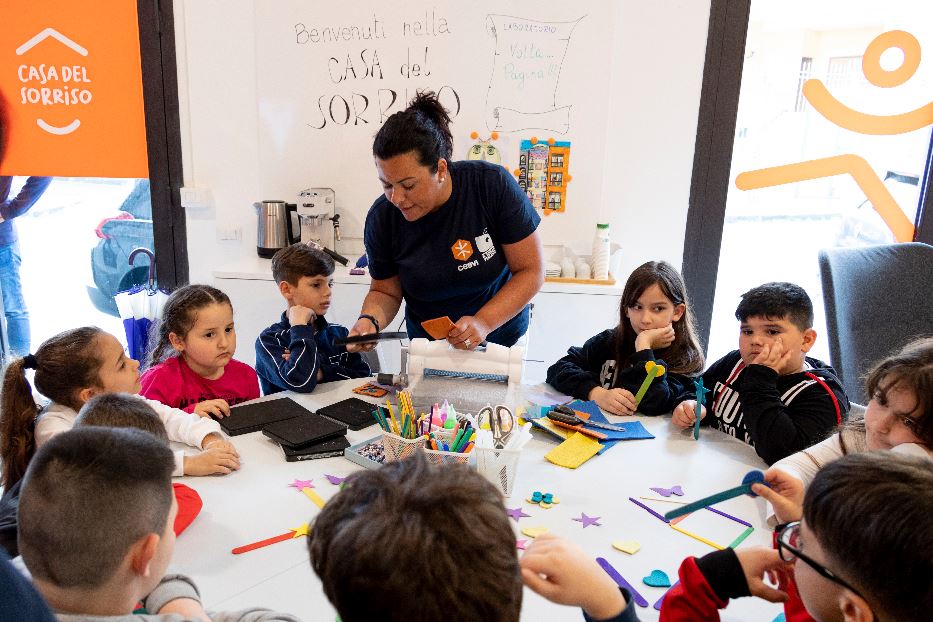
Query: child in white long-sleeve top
[(298, 352), (71, 368)]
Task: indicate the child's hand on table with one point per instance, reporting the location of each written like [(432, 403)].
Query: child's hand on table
[(655, 338), (785, 494), (219, 457), (685, 414), (563, 573), (615, 401), (218, 408)]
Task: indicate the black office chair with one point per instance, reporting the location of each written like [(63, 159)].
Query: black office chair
[(877, 299)]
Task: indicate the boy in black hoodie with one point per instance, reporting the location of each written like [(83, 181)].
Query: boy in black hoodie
[(768, 393)]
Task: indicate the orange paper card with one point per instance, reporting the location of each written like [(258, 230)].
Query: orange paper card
[(438, 328)]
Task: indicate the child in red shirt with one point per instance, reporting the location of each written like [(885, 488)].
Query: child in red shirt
[(200, 376)]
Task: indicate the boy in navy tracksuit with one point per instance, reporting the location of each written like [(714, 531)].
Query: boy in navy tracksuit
[(298, 352)]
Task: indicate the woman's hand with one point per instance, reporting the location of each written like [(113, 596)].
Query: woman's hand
[(468, 332), (363, 326)]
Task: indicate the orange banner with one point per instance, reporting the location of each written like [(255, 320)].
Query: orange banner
[(71, 85)]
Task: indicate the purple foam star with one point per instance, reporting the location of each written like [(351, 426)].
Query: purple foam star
[(301, 484), (333, 479), (516, 513), (588, 520)]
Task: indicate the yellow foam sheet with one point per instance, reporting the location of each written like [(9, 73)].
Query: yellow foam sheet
[(574, 451)]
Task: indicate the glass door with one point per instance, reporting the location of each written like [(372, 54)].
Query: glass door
[(832, 135)]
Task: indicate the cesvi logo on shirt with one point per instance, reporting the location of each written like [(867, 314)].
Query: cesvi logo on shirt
[(462, 251)]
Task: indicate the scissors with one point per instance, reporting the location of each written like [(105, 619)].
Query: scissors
[(569, 416), (500, 420)]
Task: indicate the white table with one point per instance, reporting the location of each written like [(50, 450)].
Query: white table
[(256, 503)]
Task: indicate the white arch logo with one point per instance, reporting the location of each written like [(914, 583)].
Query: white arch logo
[(52, 96)]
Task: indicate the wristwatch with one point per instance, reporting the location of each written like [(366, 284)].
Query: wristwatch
[(371, 319)]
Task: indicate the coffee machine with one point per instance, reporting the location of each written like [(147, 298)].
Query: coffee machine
[(320, 226)]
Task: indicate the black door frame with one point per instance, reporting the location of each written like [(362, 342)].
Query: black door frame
[(712, 159), (163, 139)]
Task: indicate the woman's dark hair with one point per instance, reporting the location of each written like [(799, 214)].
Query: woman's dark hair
[(179, 315), (423, 127), (65, 364), (684, 356)]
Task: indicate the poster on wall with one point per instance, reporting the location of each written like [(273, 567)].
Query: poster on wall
[(71, 90)]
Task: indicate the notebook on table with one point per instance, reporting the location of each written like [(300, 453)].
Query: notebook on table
[(326, 449), (246, 418), (353, 412), (304, 430)]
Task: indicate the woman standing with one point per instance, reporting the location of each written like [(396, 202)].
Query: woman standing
[(450, 238)]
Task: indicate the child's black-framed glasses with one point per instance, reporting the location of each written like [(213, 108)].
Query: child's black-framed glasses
[(788, 545)]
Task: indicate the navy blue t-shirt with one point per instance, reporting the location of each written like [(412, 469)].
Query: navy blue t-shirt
[(450, 262)]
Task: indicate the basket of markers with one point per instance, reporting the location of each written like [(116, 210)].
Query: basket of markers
[(401, 437), (451, 445)]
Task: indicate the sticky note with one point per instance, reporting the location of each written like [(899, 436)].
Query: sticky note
[(574, 451)]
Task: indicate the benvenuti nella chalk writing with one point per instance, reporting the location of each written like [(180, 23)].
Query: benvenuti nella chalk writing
[(336, 34)]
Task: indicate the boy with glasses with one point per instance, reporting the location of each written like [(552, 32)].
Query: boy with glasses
[(863, 551)]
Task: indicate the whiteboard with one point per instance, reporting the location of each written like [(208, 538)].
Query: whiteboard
[(327, 77)]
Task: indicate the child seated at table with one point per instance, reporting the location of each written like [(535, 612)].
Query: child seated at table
[(191, 366), (863, 550), (447, 528), (298, 351), (768, 393), (96, 530), (655, 326), (898, 417), (119, 410)]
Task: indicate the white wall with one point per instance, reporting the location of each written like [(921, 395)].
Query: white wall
[(656, 75)]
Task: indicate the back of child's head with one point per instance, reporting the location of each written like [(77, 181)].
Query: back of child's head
[(414, 542), (119, 410), (911, 368), (180, 314), (89, 494), (64, 365), (293, 262), (870, 514), (685, 355), (777, 301)]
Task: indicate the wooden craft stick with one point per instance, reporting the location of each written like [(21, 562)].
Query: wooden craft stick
[(663, 500), (289, 535), (752, 477), (653, 370), (696, 537), (748, 531), (640, 600), (315, 498)]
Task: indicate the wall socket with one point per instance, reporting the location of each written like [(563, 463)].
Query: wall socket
[(229, 233), (195, 198)]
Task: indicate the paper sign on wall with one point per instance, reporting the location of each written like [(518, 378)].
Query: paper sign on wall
[(71, 85)]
